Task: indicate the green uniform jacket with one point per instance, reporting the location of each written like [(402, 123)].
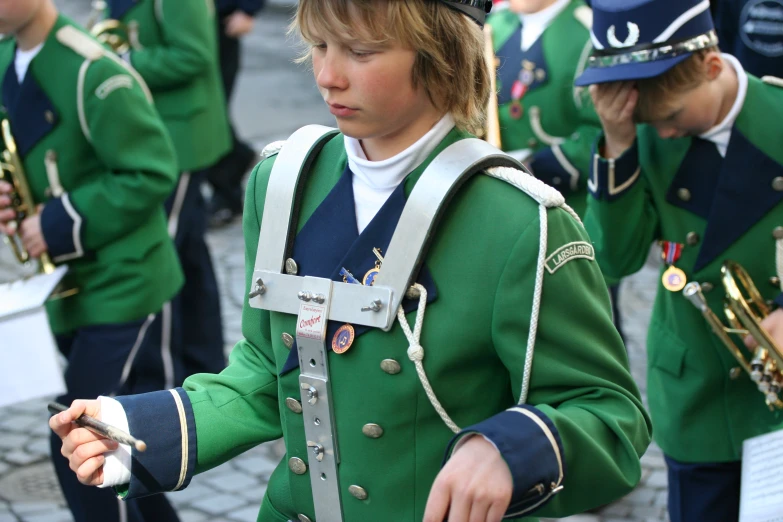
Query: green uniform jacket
[(98, 157), (719, 209), (174, 48), (555, 120), (481, 270)]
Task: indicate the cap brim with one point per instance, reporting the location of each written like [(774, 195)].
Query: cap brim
[(628, 71)]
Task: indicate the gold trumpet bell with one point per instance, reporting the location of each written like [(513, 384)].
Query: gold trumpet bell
[(745, 308), (112, 33)]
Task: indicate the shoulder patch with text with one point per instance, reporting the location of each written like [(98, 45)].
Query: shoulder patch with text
[(569, 252), (120, 81)]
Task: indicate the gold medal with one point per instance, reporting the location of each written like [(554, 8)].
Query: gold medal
[(343, 339), (369, 277), (673, 279)]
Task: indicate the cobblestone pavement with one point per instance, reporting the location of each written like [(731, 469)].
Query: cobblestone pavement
[(274, 98)]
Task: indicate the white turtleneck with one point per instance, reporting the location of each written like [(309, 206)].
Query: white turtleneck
[(721, 133), (534, 24), (374, 181), (23, 59)]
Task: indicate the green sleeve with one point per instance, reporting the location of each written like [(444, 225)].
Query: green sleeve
[(579, 376), (135, 153), (187, 50), (623, 226), (238, 408)]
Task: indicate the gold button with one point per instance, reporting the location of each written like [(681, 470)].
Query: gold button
[(684, 194), (288, 340), (49, 116), (777, 184), (390, 366), (692, 238), (532, 143), (706, 287), (291, 268), (303, 518), (373, 431), (778, 233), (774, 281), (358, 492), (293, 405), (297, 465)]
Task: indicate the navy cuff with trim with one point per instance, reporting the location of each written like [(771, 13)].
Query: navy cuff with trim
[(530, 444), (169, 462), (610, 178), (779, 300), (62, 228), (547, 168)]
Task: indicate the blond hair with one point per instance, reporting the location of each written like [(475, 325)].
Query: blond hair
[(449, 64), (657, 94)]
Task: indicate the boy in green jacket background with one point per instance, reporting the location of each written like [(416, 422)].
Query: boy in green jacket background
[(703, 176), (100, 163)]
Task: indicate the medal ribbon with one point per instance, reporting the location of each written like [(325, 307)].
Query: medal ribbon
[(671, 251)]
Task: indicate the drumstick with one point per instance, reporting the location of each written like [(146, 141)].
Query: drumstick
[(101, 428)]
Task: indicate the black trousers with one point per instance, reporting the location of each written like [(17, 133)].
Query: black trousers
[(708, 491), (226, 176), (103, 360)]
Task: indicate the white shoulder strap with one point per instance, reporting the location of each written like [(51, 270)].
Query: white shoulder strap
[(585, 16), (81, 43), (773, 80)]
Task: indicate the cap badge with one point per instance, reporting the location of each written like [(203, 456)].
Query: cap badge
[(633, 36)]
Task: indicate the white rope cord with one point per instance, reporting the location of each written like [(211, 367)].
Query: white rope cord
[(536, 308), (416, 354), (779, 261), (534, 187)]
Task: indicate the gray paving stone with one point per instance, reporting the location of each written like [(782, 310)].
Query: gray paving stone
[(3, 468), (657, 479), (191, 515), (220, 504), (618, 509), (641, 497), (58, 515), (232, 482), (12, 441), (194, 491), (254, 496), (7, 517), (29, 508), (248, 514), (21, 457), (39, 446), (259, 466)]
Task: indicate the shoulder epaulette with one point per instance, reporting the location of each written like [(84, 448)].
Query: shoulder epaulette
[(773, 80), (81, 43), (272, 149), (585, 16)]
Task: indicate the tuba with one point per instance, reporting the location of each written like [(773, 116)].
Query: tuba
[(12, 171), (492, 129), (744, 309), (109, 31)]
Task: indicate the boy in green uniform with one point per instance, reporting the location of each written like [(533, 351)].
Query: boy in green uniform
[(704, 178), (541, 46), (99, 162), (173, 46), (552, 422)]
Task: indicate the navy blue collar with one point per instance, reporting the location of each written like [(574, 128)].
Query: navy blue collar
[(330, 241), (529, 66)]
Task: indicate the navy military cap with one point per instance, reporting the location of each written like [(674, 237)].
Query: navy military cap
[(635, 39), (476, 9)]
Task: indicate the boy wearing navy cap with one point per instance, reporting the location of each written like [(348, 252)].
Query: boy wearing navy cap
[(703, 177)]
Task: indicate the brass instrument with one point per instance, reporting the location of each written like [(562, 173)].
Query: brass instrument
[(492, 130), (12, 171), (112, 33), (745, 309)]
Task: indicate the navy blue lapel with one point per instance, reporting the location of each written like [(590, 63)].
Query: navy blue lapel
[(27, 107), (511, 65), (329, 241), (698, 173), (743, 196), (118, 8)]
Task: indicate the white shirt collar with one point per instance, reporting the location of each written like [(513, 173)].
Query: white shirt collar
[(534, 24), (374, 181), (22, 60), (720, 134)]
